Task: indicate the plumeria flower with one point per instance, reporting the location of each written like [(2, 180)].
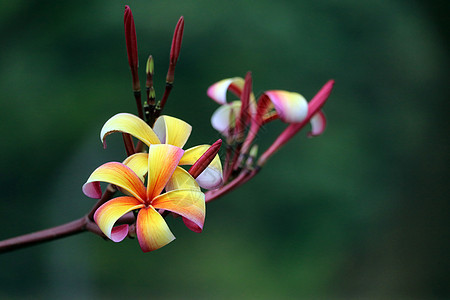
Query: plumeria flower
[(289, 107), (224, 118), (315, 116), (167, 130), (182, 196)]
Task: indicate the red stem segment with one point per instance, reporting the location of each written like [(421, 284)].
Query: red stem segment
[(46, 235), (242, 178)]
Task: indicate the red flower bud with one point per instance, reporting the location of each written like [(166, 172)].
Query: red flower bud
[(176, 41), (131, 41), (203, 162)]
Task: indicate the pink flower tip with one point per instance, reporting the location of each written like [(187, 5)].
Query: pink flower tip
[(92, 190)]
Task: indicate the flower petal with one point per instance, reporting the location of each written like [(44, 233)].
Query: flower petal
[(291, 107), (181, 179), (187, 203), (318, 124), (224, 117), (211, 177), (138, 163), (192, 226), (162, 161), (117, 174), (128, 123), (218, 91), (151, 230), (107, 214), (172, 131)]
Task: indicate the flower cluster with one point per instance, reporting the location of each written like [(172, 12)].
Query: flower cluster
[(158, 177), (151, 177), (240, 121)]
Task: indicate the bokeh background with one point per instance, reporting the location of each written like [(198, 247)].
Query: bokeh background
[(361, 212)]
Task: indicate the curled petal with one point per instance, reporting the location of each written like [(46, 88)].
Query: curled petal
[(162, 162), (107, 214), (290, 107), (117, 174), (128, 123), (181, 179), (118, 233), (151, 230), (218, 91), (225, 116), (192, 226), (318, 124), (172, 131), (92, 190), (138, 163), (211, 177), (189, 204)]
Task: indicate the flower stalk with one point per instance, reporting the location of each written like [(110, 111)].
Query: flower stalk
[(314, 107), (241, 161), (174, 54)]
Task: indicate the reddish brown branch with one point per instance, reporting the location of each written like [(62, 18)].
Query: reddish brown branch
[(42, 236)]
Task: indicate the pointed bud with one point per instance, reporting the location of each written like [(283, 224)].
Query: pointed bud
[(149, 69), (174, 53), (175, 49), (254, 151), (176, 41), (245, 105), (131, 42), (251, 157), (203, 162)]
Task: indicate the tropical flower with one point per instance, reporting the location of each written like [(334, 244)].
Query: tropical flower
[(224, 118), (287, 106), (182, 196), (232, 119), (167, 130)]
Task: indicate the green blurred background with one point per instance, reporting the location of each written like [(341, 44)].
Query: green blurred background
[(361, 212)]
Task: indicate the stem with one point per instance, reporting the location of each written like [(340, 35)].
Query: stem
[(137, 97), (128, 142), (86, 223), (159, 109), (46, 235), (242, 178)]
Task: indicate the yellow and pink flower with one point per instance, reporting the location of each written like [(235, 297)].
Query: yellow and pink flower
[(167, 130), (290, 107), (182, 196), (287, 106)]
